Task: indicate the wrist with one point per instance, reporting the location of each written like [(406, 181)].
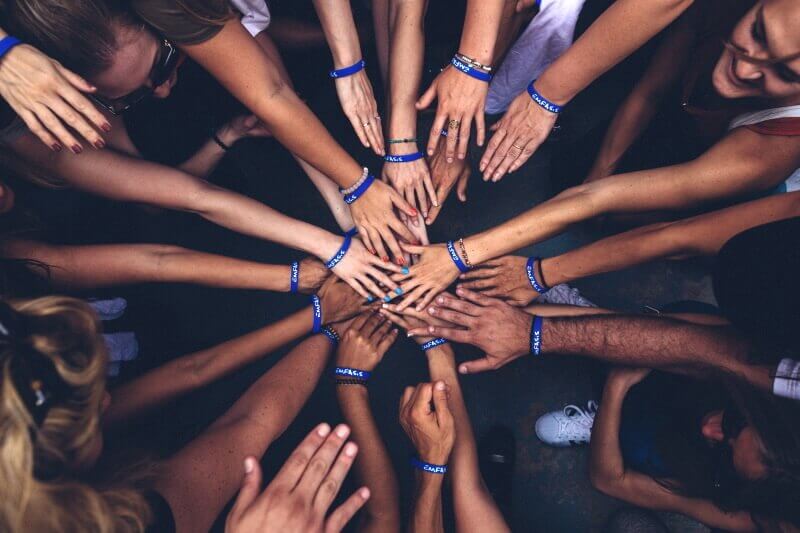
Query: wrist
[(227, 136), (435, 456), (347, 54), (554, 92), (403, 148), (326, 246)]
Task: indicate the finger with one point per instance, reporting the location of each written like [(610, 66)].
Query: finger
[(380, 251), (480, 128), (371, 286), (345, 512), (250, 488), (476, 366), (360, 321), (387, 340), (382, 330), (427, 183), (441, 406), (391, 241), (474, 297), (463, 181), (481, 272), (383, 278), (321, 462), (402, 205), (451, 334), (394, 318), (436, 132), (54, 125), (374, 322), (415, 249), (411, 295), (40, 131), (83, 106), (408, 196), (463, 137), (481, 285), (405, 399), (491, 148), (527, 151), (291, 471), (359, 128), (370, 131), (442, 192), (426, 299), (454, 317), (76, 122), (330, 485), (452, 140), (514, 152), (492, 170), (363, 234), (422, 198), (423, 398), (446, 301)]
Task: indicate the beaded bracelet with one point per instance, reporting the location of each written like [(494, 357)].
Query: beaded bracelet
[(405, 158), (456, 259), (536, 335), (361, 382), (433, 343), (337, 258), (464, 253), (356, 185), (331, 334), (428, 467), (7, 43), (353, 373), (530, 269), (470, 71), (359, 192), (317, 308), (473, 63), (348, 71), (294, 277), (543, 102)]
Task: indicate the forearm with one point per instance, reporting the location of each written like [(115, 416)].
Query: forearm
[(481, 25), (606, 465), (205, 160), (604, 45), (196, 370), (336, 17), (373, 465), (405, 65), (330, 193), (629, 122), (427, 514)]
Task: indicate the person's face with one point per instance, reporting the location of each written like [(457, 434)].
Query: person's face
[(133, 65), (746, 448), (768, 31)]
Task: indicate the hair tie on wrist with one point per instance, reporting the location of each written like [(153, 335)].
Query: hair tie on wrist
[(405, 158), (456, 259), (536, 335), (337, 258), (433, 344), (428, 467), (331, 334), (219, 142), (345, 372), (348, 71), (294, 277), (530, 269), (347, 381), (316, 306), (470, 71), (359, 192), (543, 102), (7, 43), (406, 140)]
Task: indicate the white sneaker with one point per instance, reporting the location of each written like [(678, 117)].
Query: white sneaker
[(566, 295), (572, 426)]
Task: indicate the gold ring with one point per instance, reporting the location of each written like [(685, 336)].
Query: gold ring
[(454, 124), (365, 124)]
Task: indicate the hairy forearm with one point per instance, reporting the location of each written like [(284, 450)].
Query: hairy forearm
[(337, 21), (405, 64), (481, 25), (373, 465), (196, 370), (427, 513)]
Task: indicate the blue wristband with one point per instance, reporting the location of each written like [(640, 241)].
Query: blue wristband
[(344, 372), (336, 259), (7, 43), (405, 158), (432, 344), (316, 306), (470, 71), (542, 101), (456, 259), (530, 268), (348, 71), (294, 277), (358, 193), (332, 335), (536, 335), (428, 467), (352, 232)]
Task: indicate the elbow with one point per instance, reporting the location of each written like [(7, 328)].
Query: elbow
[(678, 240), (606, 481)]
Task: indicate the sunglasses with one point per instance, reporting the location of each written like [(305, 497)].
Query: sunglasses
[(165, 63)]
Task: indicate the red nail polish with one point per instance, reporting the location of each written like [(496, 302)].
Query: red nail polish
[(77, 148), (413, 211), (56, 147), (106, 127), (100, 144), (385, 259), (401, 261)]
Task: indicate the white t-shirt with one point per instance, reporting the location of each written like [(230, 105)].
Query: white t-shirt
[(255, 15)]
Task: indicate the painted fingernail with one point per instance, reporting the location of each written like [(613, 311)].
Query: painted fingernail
[(342, 431), (56, 147), (414, 211), (323, 430), (405, 270), (106, 126), (370, 299), (387, 299), (398, 291), (77, 148), (401, 261), (100, 144), (385, 259)]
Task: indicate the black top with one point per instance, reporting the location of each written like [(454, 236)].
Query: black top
[(163, 521)]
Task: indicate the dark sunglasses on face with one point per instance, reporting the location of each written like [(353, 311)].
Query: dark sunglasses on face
[(165, 63)]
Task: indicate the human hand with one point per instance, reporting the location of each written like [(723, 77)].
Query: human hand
[(524, 5), (365, 343), (444, 176), (241, 127), (358, 103), (410, 319), (339, 301), (312, 275), (626, 376), (516, 137), (420, 232), (47, 97), (505, 278), (432, 430), (461, 99), (364, 271), (377, 223), (432, 274), (299, 496), (413, 181), (500, 330)]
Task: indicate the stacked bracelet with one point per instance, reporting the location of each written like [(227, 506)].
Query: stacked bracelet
[(331, 334), (294, 277), (530, 268), (405, 158), (536, 335), (7, 43), (344, 381), (337, 258), (473, 63), (316, 306), (360, 190), (402, 141), (456, 259), (464, 253), (351, 373), (471, 71), (348, 71), (433, 344), (543, 102), (428, 467), (356, 185)]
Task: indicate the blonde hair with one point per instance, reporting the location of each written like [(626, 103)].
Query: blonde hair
[(40, 484)]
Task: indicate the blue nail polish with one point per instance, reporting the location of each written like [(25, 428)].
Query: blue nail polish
[(404, 270), (398, 291), (370, 299), (387, 299)]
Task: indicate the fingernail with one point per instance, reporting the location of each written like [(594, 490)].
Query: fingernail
[(482, 167), (387, 299), (462, 370), (459, 290), (77, 148), (409, 334), (430, 152), (56, 147), (432, 310), (405, 270), (106, 127), (384, 306), (414, 211), (440, 300), (401, 261), (385, 259), (350, 449), (394, 331), (342, 431), (100, 144), (323, 430), (398, 291), (436, 204), (440, 385), (249, 465), (370, 299), (364, 493), (449, 159)]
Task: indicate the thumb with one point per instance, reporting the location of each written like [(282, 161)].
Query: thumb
[(412, 248), (251, 485), (427, 98), (401, 204), (476, 366), (443, 414), (461, 188), (250, 121)]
